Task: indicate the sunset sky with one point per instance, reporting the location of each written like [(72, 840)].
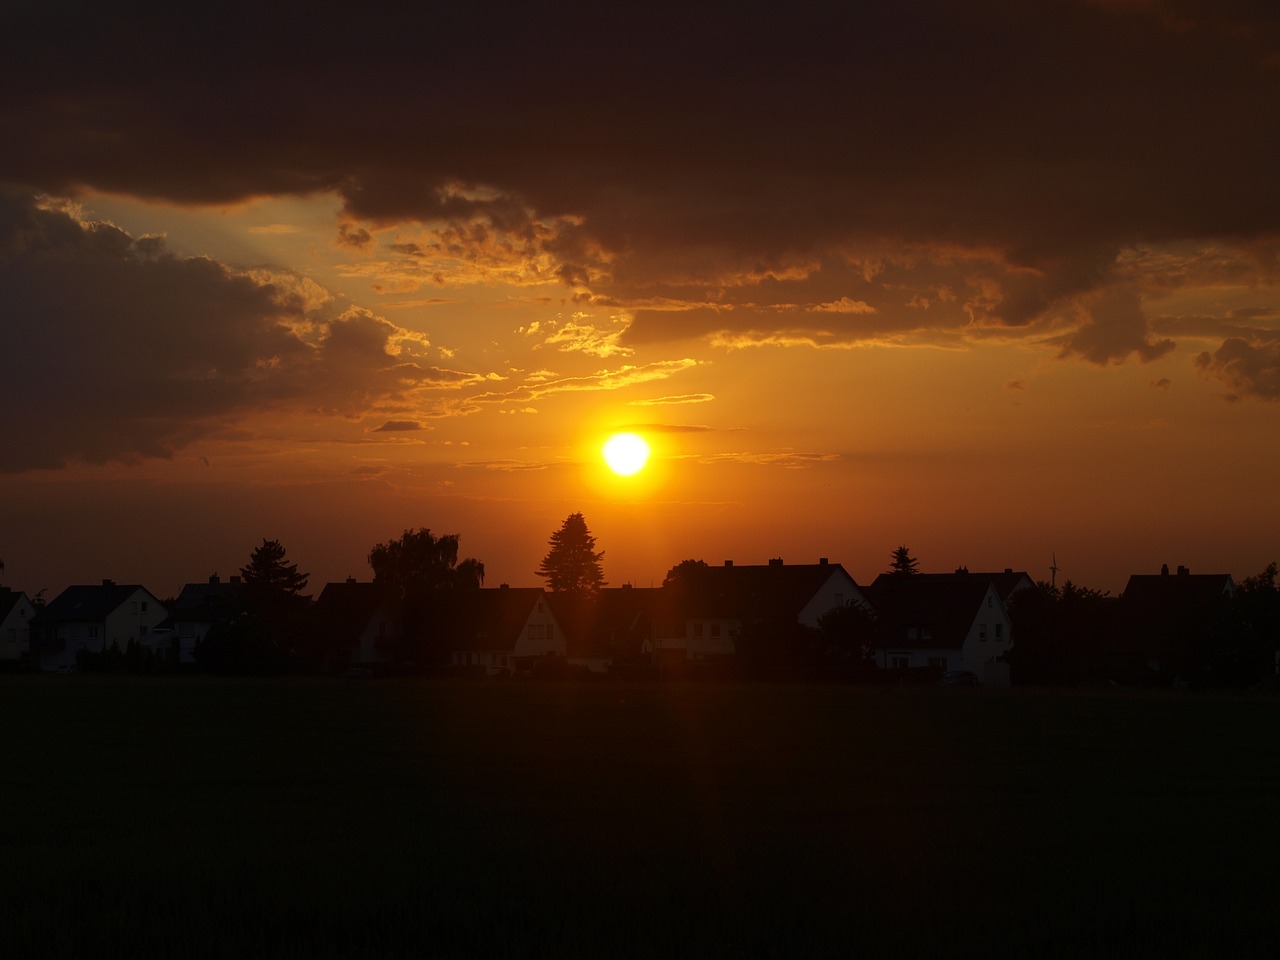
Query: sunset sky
[(996, 280)]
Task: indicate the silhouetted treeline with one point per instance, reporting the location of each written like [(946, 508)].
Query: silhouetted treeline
[(1072, 635)]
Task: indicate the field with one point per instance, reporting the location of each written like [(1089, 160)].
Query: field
[(198, 818)]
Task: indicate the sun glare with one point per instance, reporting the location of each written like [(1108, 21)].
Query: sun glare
[(626, 453)]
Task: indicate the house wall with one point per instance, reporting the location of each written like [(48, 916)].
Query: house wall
[(15, 631), (131, 620), (541, 635), (377, 638), (989, 639), (836, 592), (942, 658)]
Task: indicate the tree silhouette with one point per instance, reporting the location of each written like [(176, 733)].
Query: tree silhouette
[(682, 571), (903, 563), (267, 626), (572, 566), (421, 575), (420, 563)]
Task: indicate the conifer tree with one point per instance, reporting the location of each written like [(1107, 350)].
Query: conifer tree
[(572, 565)]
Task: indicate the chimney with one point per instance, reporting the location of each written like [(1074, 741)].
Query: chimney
[(213, 578), (822, 561), (1164, 569), (728, 563), (775, 561), (108, 583), (1008, 569), (351, 579), (504, 586), (962, 569), (1183, 571)]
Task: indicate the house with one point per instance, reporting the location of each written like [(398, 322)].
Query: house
[(1164, 617), (93, 619), (710, 612), (942, 622), (16, 611), (192, 615), (614, 626), (361, 629), (507, 630)]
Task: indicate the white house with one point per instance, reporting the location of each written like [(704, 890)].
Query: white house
[(93, 619), (191, 616), (16, 611), (508, 629), (359, 623), (942, 621), (706, 610)]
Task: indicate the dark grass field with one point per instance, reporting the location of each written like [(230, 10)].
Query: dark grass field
[(196, 818)]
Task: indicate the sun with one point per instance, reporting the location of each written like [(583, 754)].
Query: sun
[(625, 453)]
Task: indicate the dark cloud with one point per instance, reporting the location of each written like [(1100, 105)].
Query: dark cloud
[(1250, 368), (121, 350), (399, 426), (625, 148)]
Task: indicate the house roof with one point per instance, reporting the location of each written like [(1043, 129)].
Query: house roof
[(90, 603), (493, 618), (1006, 582), (1181, 591), (201, 601), (8, 600), (348, 607), (764, 591), (614, 622), (941, 607)]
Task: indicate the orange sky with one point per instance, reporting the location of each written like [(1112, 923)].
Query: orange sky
[(996, 281)]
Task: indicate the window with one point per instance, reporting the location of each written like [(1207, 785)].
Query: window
[(982, 631), (697, 629), (999, 631), (144, 606), (899, 661), (715, 631), (938, 663), (913, 633)]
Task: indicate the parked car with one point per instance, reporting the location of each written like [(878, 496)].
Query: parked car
[(959, 678)]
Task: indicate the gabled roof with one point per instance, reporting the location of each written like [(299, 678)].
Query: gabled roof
[(616, 621), (1181, 591), (765, 591), (88, 603), (493, 618), (10, 599), (201, 601), (1006, 582), (941, 607), (349, 606)]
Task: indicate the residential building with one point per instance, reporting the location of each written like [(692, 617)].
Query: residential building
[(93, 619)]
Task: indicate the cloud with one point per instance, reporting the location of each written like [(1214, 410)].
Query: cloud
[(399, 426), (1162, 384), (683, 398), (968, 151), (126, 351), (1249, 367), (1113, 326)]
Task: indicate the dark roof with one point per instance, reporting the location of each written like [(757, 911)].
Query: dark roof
[(8, 600), (943, 605), (614, 622), (1177, 591), (349, 606), (1006, 581), (88, 603), (202, 601), (493, 617), (764, 591)]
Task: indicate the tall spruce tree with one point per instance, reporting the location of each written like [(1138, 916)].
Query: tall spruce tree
[(572, 565)]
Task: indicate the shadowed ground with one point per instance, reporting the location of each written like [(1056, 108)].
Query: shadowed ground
[(403, 819)]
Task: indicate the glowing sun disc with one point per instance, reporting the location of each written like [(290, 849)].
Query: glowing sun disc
[(626, 453)]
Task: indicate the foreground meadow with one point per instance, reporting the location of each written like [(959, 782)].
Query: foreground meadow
[(199, 818)]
